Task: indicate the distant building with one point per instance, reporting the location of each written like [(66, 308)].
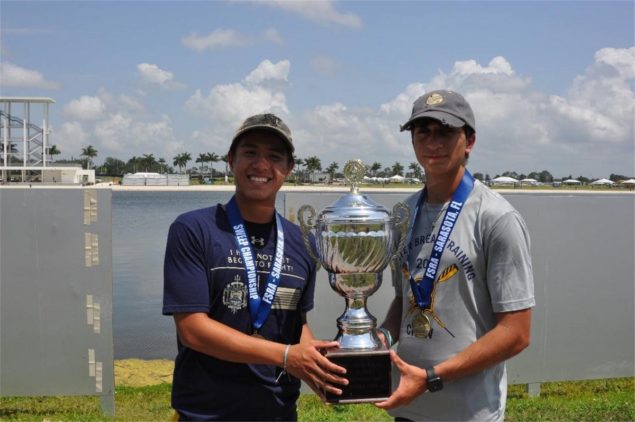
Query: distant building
[(24, 145), (317, 177), (155, 179)]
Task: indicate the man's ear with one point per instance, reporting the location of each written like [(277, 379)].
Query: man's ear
[(291, 166), (470, 143), (230, 161)]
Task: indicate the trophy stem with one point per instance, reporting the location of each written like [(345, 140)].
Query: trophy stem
[(356, 325)]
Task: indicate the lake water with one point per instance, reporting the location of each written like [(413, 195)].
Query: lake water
[(140, 223)]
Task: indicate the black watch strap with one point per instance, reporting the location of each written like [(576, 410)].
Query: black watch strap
[(434, 382)]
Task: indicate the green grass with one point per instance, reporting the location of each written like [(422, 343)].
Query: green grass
[(599, 400)]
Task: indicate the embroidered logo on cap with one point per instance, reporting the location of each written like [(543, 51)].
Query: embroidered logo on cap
[(434, 99)]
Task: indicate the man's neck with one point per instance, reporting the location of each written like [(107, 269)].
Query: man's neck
[(439, 189), (255, 211)]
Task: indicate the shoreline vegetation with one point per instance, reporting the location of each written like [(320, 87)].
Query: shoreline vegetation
[(142, 393)]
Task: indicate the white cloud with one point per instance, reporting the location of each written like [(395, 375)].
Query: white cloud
[(85, 108), (602, 101), (12, 75), (153, 75), (121, 102), (113, 132), (116, 125), (620, 59), (268, 71), (224, 38), (325, 65), (318, 11), (219, 38), (226, 106), (70, 138), (122, 134), (272, 35)]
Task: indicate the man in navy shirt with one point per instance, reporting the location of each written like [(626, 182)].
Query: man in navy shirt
[(239, 282)]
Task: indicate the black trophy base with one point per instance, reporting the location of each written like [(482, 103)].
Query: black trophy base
[(368, 373)]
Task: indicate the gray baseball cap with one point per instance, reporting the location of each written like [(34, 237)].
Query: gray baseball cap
[(265, 121), (448, 107)]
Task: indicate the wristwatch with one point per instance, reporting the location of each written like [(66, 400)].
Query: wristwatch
[(434, 381)]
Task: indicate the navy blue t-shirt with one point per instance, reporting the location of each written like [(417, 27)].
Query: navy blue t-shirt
[(203, 272)]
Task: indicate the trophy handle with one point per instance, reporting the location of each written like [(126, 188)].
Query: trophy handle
[(306, 214), (401, 214)]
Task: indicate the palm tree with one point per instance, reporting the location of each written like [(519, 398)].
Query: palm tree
[(162, 165), (89, 153), (313, 164), (397, 168), (225, 159), (52, 150), (331, 169), (298, 163), (132, 164), (202, 158), (212, 158), (148, 161), (375, 168), (181, 160), (113, 166), (416, 170)]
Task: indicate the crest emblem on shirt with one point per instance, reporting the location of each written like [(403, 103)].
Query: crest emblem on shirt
[(235, 295)]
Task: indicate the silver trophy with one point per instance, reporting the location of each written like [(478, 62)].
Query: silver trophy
[(356, 239)]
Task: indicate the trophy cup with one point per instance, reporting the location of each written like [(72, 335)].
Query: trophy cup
[(356, 239)]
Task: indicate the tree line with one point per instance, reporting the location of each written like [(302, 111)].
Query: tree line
[(204, 165)]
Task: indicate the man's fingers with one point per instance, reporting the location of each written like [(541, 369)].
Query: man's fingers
[(393, 401), (333, 378), (387, 404), (399, 363), (328, 366)]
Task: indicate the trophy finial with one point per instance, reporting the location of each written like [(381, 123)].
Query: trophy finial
[(354, 172)]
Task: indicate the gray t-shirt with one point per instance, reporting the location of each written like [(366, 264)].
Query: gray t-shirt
[(485, 269)]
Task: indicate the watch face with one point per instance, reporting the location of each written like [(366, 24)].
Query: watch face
[(435, 384)]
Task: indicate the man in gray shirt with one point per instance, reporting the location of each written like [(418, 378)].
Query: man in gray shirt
[(463, 304)]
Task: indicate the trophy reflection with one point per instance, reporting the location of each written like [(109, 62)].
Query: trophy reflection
[(356, 238)]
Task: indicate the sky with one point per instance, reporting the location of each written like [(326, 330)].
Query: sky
[(552, 83)]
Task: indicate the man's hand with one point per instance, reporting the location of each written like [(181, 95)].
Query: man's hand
[(306, 362), (412, 383), (382, 338)]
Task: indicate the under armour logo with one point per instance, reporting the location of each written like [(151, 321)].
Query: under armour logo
[(260, 241)]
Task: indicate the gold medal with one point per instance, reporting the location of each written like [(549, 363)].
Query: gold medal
[(421, 325), (257, 335)]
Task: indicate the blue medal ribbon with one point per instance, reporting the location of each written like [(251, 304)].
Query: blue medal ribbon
[(423, 290), (259, 308)]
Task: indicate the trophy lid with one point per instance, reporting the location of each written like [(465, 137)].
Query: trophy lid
[(354, 206)]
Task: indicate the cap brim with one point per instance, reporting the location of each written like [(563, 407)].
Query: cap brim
[(277, 131), (446, 119)]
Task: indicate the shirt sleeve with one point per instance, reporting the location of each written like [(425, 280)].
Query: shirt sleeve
[(185, 285), (509, 270), (309, 291)]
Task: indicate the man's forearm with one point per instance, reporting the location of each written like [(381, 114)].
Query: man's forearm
[(508, 338), (203, 334)]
